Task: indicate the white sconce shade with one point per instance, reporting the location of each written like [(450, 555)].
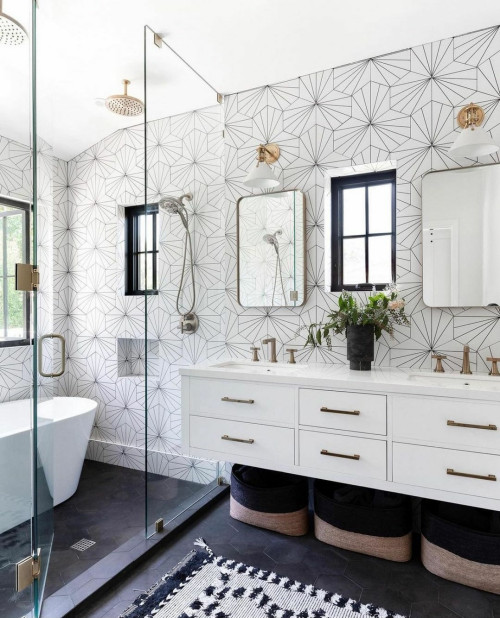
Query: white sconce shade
[(473, 140), (262, 176)]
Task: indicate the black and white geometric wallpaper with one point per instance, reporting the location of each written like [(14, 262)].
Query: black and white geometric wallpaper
[(105, 329), (400, 107)]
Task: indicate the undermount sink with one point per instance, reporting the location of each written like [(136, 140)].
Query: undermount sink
[(259, 367), (456, 380)]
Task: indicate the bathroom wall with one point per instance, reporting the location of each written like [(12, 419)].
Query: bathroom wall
[(16, 362), (399, 106), (104, 329)]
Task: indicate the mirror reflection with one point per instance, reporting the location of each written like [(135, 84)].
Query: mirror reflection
[(271, 249), (461, 225)]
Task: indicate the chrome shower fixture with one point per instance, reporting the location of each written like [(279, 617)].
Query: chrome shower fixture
[(124, 104), (11, 31), (272, 239), (174, 206)]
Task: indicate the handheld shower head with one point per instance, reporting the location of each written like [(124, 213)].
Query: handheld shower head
[(271, 239)]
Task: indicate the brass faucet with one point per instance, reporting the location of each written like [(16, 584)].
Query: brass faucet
[(272, 341), (466, 362)]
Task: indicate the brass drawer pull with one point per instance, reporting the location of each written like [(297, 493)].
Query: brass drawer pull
[(325, 452), (471, 426), (351, 412), (481, 477), (238, 400), (226, 437)]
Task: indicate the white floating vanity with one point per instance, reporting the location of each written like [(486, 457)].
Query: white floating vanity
[(422, 434)]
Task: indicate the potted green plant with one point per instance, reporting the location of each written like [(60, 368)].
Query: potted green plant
[(361, 323)]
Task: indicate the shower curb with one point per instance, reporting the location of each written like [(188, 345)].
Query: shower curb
[(89, 586)]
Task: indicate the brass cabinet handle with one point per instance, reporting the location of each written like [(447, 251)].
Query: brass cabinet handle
[(325, 452), (471, 426), (40, 355), (481, 477), (351, 412), (226, 437), (238, 400)]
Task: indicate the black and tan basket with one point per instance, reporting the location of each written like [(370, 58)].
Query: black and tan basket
[(462, 544), (267, 499), (367, 521)]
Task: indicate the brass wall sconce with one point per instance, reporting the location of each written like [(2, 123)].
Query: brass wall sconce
[(473, 140), (262, 176)]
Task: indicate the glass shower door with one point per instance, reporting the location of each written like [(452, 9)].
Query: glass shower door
[(175, 481)]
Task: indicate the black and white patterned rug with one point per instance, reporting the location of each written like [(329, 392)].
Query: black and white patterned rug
[(206, 586)]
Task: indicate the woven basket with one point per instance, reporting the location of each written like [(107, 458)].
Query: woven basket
[(363, 520), (462, 544), (272, 500)]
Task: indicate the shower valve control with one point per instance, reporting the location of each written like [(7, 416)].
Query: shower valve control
[(189, 323)]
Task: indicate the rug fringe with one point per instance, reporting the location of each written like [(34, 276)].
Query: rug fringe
[(200, 542)]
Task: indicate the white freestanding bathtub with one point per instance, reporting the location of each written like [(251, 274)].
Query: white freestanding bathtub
[(64, 426)]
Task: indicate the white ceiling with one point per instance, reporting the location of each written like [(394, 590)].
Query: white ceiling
[(86, 48)]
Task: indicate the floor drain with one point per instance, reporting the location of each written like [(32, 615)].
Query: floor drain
[(82, 544)]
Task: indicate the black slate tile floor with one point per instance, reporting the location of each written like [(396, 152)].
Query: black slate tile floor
[(108, 508), (406, 588)]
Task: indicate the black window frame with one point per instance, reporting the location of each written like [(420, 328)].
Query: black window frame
[(27, 210), (338, 184), (132, 253)]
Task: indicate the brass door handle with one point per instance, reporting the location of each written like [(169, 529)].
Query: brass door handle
[(481, 477), (40, 355), (351, 412), (471, 426), (325, 452), (226, 437), (238, 400)]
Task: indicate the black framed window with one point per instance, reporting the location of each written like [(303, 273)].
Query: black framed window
[(141, 249), (14, 248), (363, 231)]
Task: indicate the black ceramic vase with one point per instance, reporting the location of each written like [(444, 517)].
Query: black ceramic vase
[(360, 347)]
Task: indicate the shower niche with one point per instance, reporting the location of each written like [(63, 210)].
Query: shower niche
[(271, 249), (132, 355)]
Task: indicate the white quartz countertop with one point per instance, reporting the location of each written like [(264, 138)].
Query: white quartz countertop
[(379, 379)]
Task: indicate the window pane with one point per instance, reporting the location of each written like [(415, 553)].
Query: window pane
[(2, 331), (379, 256), (380, 208), (14, 241), (354, 261), (15, 310), (149, 232), (142, 271), (354, 211), (141, 228)]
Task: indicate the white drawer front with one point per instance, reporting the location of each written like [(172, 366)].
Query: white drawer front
[(426, 466), (343, 410), (443, 420), (344, 454), (234, 439), (251, 401)]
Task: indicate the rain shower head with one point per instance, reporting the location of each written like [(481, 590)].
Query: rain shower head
[(11, 31), (124, 104)]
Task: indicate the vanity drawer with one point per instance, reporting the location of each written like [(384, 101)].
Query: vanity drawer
[(343, 454), (251, 401), (235, 439), (454, 422), (343, 410), (441, 468)]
